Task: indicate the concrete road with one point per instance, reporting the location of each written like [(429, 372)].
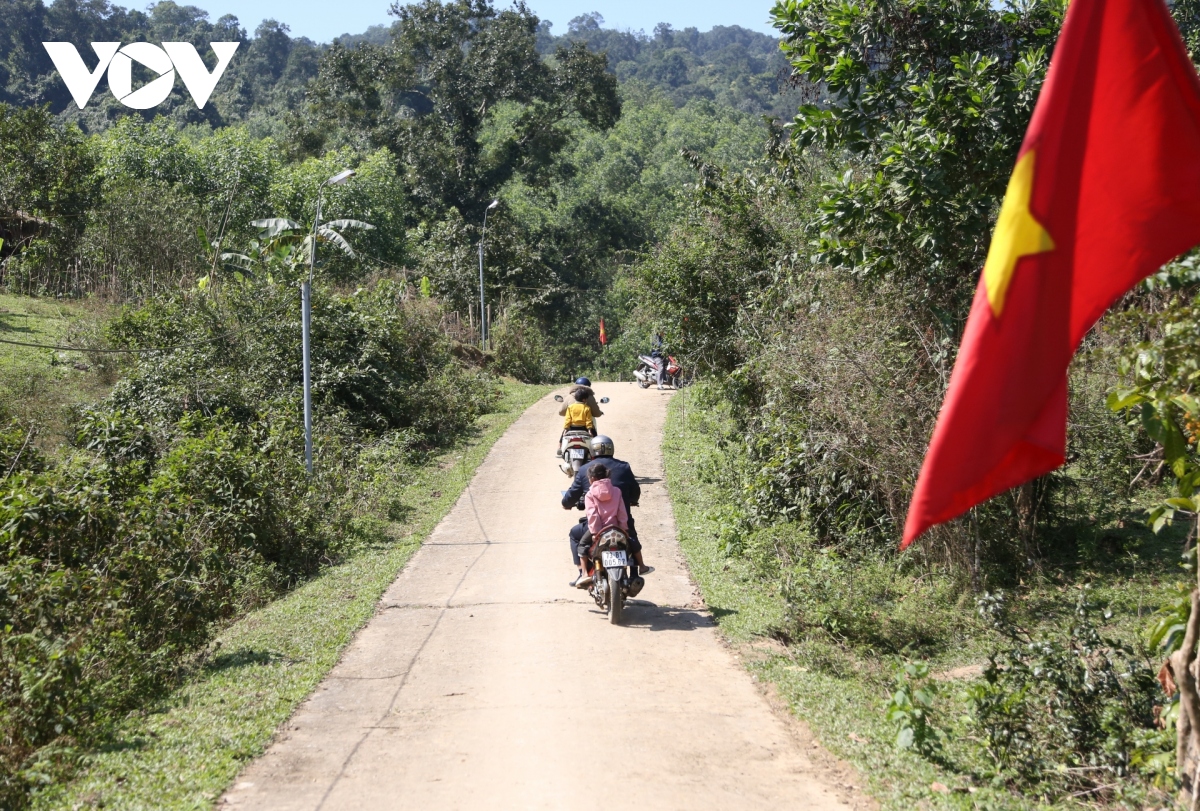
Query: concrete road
[(484, 682)]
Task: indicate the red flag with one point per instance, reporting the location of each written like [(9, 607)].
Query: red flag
[(1106, 189), (603, 334)]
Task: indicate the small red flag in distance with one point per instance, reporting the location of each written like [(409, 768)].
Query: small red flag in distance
[(1106, 189), (603, 334)]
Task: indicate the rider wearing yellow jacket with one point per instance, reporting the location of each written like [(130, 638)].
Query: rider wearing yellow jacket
[(579, 415)]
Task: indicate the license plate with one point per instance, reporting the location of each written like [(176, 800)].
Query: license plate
[(611, 560), (578, 453)]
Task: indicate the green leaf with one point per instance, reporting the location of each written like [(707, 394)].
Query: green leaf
[(1188, 403), (329, 235), (274, 226), (340, 224), (1162, 429), (1179, 466), (1121, 399)]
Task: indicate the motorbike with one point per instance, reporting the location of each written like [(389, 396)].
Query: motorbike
[(576, 448), (576, 451), (613, 579), (647, 371)]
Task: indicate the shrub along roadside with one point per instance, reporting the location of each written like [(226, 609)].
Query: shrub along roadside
[(183, 501), (184, 750), (837, 674)]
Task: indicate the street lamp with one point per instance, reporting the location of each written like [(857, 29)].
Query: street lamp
[(306, 316), (482, 305)]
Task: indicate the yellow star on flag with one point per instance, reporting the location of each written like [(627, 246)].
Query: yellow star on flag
[(1017, 234)]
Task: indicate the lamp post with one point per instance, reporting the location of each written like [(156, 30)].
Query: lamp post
[(306, 316), (483, 330)]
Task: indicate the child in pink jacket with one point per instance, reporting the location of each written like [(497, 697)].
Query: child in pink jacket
[(604, 504), (605, 508)]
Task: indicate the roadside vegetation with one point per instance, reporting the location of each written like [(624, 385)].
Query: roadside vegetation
[(1008, 659), (1041, 694), (44, 386), (812, 278), (183, 749), (181, 501), (156, 519)]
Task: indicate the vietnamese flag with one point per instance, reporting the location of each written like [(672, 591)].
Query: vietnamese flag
[(1106, 190), (603, 334)]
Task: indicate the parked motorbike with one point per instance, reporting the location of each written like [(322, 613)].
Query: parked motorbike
[(576, 447), (614, 580), (647, 371)]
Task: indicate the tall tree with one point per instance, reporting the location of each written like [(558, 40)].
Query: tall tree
[(430, 94), (929, 99)]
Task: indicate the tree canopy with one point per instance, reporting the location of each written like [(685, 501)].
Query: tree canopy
[(449, 70)]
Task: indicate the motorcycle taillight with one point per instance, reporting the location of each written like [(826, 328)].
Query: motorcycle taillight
[(612, 538)]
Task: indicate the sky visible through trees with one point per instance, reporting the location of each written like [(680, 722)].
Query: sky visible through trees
[(322, 21)]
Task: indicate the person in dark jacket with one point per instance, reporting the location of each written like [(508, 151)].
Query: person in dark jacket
[(659, 351), (621, 476)]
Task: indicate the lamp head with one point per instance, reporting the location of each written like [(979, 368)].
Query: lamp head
[(341, 177), (493, 205)]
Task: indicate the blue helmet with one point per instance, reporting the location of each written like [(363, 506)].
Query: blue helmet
[(583, 381)]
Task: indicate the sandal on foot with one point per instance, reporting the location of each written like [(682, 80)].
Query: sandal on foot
[(584, 581), (646, 570)]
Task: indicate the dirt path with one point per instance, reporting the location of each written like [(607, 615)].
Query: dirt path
[(480, 682)]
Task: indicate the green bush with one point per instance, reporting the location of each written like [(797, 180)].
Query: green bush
[(184, 499), (910, 708), (105, 583), (17, 449), (521, 351), (870, 603), (1065, 713)]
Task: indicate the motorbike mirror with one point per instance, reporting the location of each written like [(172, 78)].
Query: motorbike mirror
[(558, 398), (604, 399)]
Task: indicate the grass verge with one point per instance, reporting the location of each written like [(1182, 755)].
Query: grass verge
[(840, 688), (184, 750), (41, 387)]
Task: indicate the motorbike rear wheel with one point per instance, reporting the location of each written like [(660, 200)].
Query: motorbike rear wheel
[(616, 603)]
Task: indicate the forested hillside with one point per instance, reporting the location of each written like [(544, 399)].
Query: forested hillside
[(267, 79), (584, 148), (813, 279), (732, 65)]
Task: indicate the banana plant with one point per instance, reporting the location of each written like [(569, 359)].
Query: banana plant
[(282, 231), (239, 266), (284, 243)]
